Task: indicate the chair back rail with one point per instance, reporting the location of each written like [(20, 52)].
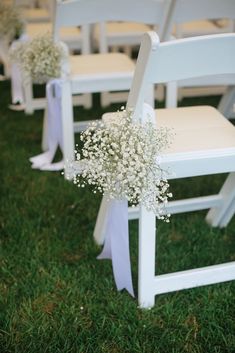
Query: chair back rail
[(79, 12), (180, 59), (182, 11)]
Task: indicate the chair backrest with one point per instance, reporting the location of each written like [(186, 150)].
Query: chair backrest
[(83, 12), (182, 11), (178, 60)]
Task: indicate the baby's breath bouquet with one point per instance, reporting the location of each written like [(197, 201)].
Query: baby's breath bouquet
[(11, 23), (121, 158), (40, 59)]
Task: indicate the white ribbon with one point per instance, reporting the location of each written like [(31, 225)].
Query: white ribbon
[(44, 160), (4, 49), (116, 246), (116, 233), (17, 92)]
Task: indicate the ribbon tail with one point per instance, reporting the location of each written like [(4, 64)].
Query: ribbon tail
[(53, 166), (16, 84), (116, 246), (17, 91), (54, 129), (44, 158)]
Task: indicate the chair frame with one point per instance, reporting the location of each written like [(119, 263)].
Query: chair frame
[(154, 65), (81, 15), (32, 103), (182, 11)]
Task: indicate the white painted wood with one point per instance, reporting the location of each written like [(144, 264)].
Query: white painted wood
[(34, 11), (172, 94), (100, 83), (191, 164), (194, 278), (67, 124), (147, 246), (228, 215), (75, 40), (185, 205), (184, 11), (45, 144), (218, 49), (193, 204), (227, 103), (189, 10), (220, 216), (32, 104), (192, 57), (94, 72), (115, 36), (28, 94), (149, 11), (155, 12)]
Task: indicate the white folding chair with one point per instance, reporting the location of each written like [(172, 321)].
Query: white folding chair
[(204, 144), (103, 71), (33, 13), (126, 35), (76, 39), (113, 36), (182, 15)]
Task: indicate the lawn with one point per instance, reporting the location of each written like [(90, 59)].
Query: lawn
[(56, 297)]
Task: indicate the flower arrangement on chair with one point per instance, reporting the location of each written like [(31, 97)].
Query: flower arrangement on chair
[(11, 24), (119, 159), (40, 59)]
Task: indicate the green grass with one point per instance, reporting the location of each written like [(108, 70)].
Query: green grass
[(55, 296)]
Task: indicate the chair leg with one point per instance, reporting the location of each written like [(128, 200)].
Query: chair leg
[(226, 104), (45, 131), (87, 101), (100, 221), (105, 99), (146, 271), (127, 50), (67, 126), (159, 93), (171, 95), (220, 216), (28, 92)]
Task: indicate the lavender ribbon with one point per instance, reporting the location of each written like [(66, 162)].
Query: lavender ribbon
[(116, 246)]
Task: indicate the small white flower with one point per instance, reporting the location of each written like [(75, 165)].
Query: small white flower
[(121, 160), (11, 23), (40, 58)]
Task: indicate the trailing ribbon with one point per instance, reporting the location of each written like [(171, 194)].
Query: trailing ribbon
[(116, 246), (116, 233), (44, 160), (17, 92), (4, 49)]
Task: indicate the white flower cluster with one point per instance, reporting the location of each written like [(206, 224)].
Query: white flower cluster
[(11, 23), (121, 158), (40, 59)]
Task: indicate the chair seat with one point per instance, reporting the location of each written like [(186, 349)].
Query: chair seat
[(199, 128), (126, 27), (196, 129), (100, 64), (120, 30), (36, 14), (66, 34), (193, 28)]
